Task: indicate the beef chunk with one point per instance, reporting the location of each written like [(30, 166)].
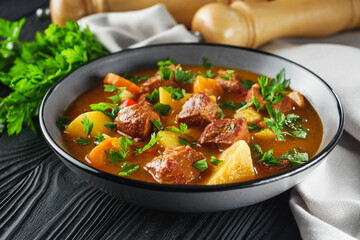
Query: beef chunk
[(198, 110), (156, 81), (225, 132), (136, 121), (254, 91), (283, 106), (175, 166), (234, 85)]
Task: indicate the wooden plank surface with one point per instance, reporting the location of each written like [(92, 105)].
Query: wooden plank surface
[(40, 198)]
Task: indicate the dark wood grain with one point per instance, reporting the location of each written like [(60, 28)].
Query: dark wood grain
[(40, 198)]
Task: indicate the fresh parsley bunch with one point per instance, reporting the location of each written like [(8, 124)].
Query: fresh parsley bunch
[(29, 69)]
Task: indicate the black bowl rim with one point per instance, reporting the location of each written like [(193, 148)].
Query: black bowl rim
[(193, 188)]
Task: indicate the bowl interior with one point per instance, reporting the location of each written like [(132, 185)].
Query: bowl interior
[(311, 86)]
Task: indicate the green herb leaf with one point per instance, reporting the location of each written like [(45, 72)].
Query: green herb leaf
[(135, 78), (88, 126), (221, 113), (83, 141), (176, 93), (201, 165), (215, 161), (296, 158), (151, 143), (272, 90), (157, 124), (228, 75), (184, 76), (114, 156), (31, 68), (257, 149), (127, 170), (110, 88), (110, 125), (183, 141), (254, 126), (61, 122), (208, 74), (165, 73), (163, 109), (232, 126), (160, 152), (206, 62), (99, 138), (247, 84), (166, 62), (102, 106), (183, 128), (269, 159), (117, 96), (229, 104), (257, 104), (154, 96), (245, 106)]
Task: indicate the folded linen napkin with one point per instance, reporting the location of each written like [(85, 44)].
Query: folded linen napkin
[(327, 204)]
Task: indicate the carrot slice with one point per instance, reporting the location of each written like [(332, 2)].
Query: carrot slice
[(97, 156), (114, 79)]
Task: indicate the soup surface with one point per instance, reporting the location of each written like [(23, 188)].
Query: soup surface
[(192, 124)]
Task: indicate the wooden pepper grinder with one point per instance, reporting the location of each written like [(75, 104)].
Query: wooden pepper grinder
[(252, 24), (181, 10)]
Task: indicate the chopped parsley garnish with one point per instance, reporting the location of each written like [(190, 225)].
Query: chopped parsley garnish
[(215, 161), (232, 126), (209, 154), (127, 170), (117, 96), (257, 104), (221, 113), (254, 126), (273, 89), (61, 122), (269, 159), (247, 84), (183, 141), (257, 149), (160, 152), (206, 62), (176, 93), (154, 96), (229, 104), (296, 158), (247, 105), (135, 78), (163, 109), (110, 125), (228, 75), (165, 73), (208, 74), (166, 62), (88, 126), (103, 107), (120, 154), (184, 76), (157, 124), (183, 128), (151, 143), (201, 165), (83, 141), (110, 88), (99, 138), (278, 121)]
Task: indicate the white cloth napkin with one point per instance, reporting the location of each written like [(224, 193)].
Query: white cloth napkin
[(153, 25), (327, 204)]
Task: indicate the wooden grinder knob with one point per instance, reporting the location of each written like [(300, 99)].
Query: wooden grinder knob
[(251, 24)]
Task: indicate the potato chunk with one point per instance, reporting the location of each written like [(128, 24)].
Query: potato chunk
[(126, 95), (249, 115), (165, 98), (209, 86), (171, 139), (76, 128), (237, 164), (265, 134)]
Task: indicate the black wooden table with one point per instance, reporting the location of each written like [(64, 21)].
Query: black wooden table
[(40, 198)]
